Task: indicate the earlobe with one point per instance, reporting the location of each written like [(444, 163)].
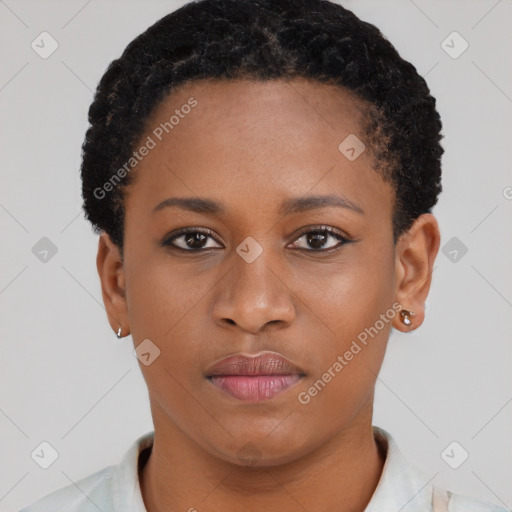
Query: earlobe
[(415, 254), (111, 272)]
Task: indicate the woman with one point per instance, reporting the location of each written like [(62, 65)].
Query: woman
[(262, 175)]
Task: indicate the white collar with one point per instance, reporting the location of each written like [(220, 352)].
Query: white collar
[(402, 485), (125, 485)]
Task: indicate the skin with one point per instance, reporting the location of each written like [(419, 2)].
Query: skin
[(250, 145)]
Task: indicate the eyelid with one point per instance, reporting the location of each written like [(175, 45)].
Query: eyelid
[(323, 227)]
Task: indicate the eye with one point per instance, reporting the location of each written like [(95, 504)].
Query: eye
[(317, 238), (193, 239)]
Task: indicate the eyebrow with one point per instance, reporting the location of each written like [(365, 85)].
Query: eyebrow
[(292, 205)]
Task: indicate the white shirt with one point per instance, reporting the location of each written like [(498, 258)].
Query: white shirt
[(402, 487)]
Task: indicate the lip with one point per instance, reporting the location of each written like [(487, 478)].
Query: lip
[(254, 378)]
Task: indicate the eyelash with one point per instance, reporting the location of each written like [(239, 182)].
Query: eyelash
[(312, 229)]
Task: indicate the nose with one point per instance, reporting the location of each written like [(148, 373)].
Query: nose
[(254, 296)]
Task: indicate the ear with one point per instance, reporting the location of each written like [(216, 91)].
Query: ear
[(111, 271), (415, 254)]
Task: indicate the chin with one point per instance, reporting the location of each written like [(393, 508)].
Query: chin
[(261, 450)]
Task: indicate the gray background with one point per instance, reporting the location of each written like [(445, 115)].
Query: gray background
[(64, 377)]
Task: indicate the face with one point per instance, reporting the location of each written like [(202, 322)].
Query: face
[(309, 282)]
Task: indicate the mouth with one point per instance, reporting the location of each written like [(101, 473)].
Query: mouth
[(254, 378)]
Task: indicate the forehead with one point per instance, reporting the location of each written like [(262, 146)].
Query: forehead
[(250, 143)]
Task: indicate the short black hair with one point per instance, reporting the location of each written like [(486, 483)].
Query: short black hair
[(265, 40)]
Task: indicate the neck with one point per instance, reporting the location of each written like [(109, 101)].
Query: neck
[(342, 474)]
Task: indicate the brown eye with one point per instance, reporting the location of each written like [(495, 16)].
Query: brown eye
[(322, 239), (191, 239)]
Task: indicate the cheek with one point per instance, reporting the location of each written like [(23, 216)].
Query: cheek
[(350, 294), (353, 310), (163, 308), (160, 297), (167, 306), (348, 357)]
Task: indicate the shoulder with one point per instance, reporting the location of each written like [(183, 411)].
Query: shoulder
[(402, 486), (114, 487), (466, 503), (89, 494)]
